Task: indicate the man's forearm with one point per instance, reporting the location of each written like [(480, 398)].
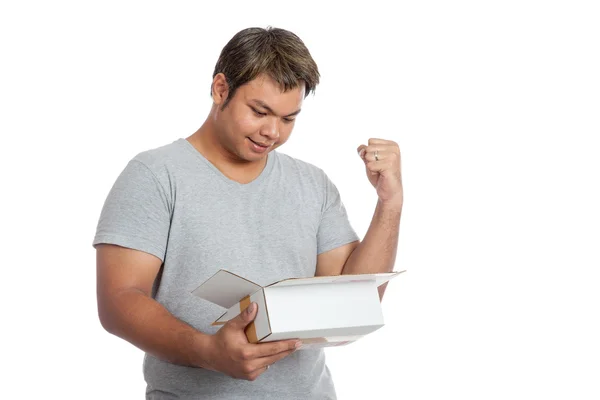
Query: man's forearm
[(148, 325), (377, 251)]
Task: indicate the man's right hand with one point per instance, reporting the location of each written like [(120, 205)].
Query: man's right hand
[(232, 354)]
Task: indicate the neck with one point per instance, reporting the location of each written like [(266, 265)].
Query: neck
[(206, 141)]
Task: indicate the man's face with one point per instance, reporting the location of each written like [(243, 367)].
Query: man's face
[(259, 118)]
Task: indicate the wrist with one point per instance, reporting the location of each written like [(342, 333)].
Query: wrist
[(202, 351), (392, 204)]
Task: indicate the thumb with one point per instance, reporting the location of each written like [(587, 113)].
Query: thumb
[(244, 318)]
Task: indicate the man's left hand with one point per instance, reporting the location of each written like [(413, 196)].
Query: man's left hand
[(382, 161)]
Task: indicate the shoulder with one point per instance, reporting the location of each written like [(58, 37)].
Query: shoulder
[(163, 160), (160, 157), (159, 163)]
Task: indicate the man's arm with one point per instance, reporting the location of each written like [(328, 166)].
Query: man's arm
[(126, 309), (376, 253)]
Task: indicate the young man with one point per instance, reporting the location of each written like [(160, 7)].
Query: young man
[(225, 198)]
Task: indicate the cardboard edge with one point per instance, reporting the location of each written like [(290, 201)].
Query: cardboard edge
[(281, 280), (267, 310), (229, 272), (270, 330), (306, 277), (247, 280), (296, 278), (216, 323), (394, 274), (250, 330), (263, 339)]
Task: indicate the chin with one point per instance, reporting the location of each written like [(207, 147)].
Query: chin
[(250, 156)]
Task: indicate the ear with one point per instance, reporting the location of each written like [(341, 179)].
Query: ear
[(219, 88)]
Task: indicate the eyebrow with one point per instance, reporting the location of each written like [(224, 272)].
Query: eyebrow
[(266, 107)]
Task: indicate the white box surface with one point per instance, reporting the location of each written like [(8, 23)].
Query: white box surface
[(321, 311)]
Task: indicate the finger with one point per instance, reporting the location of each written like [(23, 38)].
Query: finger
[(390, 147), (382, 147), (256, 373), (244, 318), (271, 348), (380, 141), (381, 155), (263, 362), (361, 150), (374, 167)]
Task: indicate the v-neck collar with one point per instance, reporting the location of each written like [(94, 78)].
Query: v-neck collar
[(257, 181)]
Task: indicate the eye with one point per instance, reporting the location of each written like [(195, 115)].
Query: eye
[(289, 120), (258, 113)]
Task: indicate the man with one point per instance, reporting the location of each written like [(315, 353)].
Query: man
[(224, 198)]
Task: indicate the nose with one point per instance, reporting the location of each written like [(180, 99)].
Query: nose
[(270, 130)]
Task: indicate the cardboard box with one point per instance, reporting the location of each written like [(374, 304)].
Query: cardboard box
[(321, 311)]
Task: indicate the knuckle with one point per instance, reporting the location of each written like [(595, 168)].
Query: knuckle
[(245, 354), (246, 369)]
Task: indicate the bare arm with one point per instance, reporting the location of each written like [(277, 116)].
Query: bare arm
[(377, 252), (125, 308)]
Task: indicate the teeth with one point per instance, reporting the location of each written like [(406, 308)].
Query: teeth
[(258, 144)]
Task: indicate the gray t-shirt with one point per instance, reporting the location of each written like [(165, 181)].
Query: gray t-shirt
[(173, 203)]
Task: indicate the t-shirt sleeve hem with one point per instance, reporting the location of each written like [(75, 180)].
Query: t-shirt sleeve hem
[(340, 241), (131, 242)]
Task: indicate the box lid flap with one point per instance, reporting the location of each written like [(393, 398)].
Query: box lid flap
[(380, 278), (225, 289), (304, 281)]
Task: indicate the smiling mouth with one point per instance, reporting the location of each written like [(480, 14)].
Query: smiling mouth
[(259, 144)]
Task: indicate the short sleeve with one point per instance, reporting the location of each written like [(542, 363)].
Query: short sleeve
[(334, 229), (136, 213)]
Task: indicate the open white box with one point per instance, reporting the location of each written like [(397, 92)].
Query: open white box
[(321, 311)]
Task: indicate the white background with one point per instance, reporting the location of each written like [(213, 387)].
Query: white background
[(495, 106)]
